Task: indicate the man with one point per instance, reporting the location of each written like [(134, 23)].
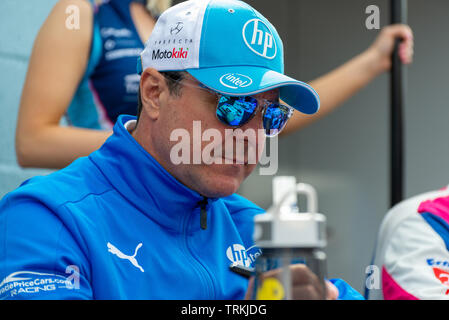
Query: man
[(412, 255), (129, 222)]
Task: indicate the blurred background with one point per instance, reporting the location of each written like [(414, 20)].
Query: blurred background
[(345, 156)]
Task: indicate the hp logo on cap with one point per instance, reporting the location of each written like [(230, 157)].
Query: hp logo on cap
[(259, 38)]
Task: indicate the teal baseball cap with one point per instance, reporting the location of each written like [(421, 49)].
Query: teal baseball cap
[(229, 47)]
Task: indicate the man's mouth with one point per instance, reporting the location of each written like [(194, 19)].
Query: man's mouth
[(235, 160)]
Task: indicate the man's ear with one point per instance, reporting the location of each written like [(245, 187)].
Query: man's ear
[(152, 90)]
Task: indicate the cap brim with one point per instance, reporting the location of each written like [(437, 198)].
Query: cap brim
[(250, 80)]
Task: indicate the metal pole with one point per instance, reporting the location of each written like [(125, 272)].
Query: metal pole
[(398, 15)]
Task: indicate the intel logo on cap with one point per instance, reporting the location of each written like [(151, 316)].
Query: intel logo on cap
[(259, 38), (235, 80)]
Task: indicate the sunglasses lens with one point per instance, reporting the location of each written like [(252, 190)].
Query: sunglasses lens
[(236, 111), (275, 118)]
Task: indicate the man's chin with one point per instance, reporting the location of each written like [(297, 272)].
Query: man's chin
[(222, 184), (221, 188)]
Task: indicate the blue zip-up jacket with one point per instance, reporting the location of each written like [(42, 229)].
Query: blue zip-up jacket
[(116, 225)]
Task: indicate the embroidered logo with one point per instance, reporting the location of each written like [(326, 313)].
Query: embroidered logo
[(112, 249), (235, 80), (259, 38), (237, 254)]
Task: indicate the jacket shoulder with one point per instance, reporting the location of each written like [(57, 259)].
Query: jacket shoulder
[(71, 184), (237, 204)]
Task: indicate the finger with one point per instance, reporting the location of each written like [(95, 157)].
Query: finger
[(301, 274), (305, 284), (406, 53), (331, 291), (400, 30), (249, 291), (405, 33), (308, 292)]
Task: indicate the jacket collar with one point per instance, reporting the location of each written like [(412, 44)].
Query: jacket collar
[(139, 178)]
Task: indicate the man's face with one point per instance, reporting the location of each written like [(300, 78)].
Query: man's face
[(194, 112)]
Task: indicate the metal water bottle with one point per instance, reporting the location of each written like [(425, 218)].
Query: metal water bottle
[(287, 236)]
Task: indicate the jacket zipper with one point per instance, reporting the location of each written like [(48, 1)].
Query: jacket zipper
[(199, 266), (203, 213)]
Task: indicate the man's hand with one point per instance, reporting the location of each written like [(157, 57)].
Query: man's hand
[(382, 47), (305, 284)]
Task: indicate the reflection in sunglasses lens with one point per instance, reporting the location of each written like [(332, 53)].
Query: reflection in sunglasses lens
[(236, 111)]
